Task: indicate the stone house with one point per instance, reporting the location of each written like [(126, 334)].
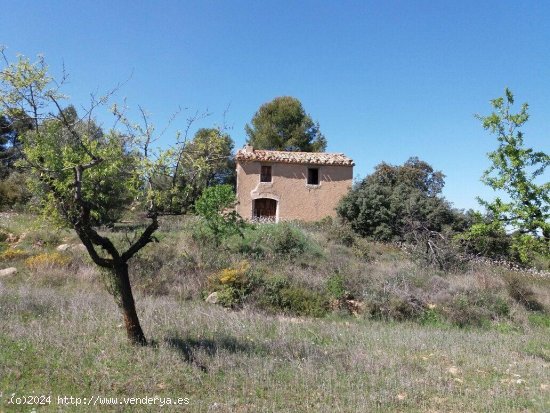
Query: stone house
[(277, 185)]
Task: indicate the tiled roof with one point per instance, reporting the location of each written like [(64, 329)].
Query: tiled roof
[(248, 154)]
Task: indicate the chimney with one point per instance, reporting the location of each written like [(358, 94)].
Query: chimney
[(248, 148)]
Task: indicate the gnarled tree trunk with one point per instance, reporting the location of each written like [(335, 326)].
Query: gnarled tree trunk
[(117, 265), (127, 305)]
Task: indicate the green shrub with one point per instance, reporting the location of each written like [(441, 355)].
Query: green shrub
[(393, 200), (474, 308), (431, 316), (461, 312), (303, 302), (4, 234), (216, 207), (229, 296), (287, 240), (335, 286), (341, 234), (233, 285), (407, 302), (14, 190), (44, 237), (239, 284), (362, 249), (278, 294), (269, 297), (274, 240), (527, 249), (485, 238)]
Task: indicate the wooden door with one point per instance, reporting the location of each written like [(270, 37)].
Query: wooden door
[(265, 208)]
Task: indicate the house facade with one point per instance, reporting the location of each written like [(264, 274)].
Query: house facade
[(277, 185)]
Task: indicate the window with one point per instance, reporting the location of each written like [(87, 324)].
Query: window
[(265, 175), (313, 176)]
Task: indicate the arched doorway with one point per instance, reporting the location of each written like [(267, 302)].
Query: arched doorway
[(265, 209)]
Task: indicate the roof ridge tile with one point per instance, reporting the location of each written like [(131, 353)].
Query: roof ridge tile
[(316, 158)]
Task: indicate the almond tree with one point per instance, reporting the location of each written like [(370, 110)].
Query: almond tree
[(75, 167)]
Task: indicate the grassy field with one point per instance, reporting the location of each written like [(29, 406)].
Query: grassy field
[(61, 335)]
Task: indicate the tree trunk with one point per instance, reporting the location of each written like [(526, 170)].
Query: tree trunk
[(127, 305)]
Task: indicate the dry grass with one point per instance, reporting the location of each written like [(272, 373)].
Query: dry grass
[(68, 344), (61, 334)]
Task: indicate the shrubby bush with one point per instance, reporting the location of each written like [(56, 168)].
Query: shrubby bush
[(14, 191), (233, 285), (216, 207), (437, 298), (241, 284), (461, 308), (341, 233), (485, 238), (403, 204), (44, 237), (530, 250), (336, 286), (475, 308), (283, 240), (301, 301), (12, 254), (47, 260), (277, 294)]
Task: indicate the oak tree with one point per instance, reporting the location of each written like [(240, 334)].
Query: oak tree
[(397, 200)]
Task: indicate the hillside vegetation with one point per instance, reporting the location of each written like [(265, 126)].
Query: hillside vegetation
[(288, 317)]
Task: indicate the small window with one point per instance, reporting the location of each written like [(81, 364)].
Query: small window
[(265, 175), (313, 176)]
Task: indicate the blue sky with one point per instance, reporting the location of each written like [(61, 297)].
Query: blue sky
[(386, 80)]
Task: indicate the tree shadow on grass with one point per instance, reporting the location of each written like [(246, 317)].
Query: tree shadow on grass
[(188, 347)]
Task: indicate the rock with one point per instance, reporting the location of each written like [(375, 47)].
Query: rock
[(71, 247), (355, 307), (13, 239), (212, 298), (8, 271)]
